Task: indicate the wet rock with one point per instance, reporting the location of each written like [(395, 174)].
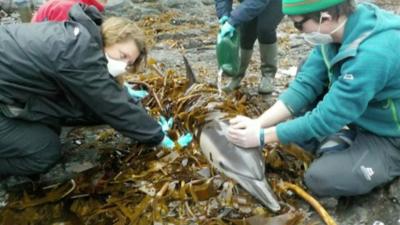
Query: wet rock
[(186, 20), (366, 209), (394, 191), (358, 216), (3, 14), (193, 43), (116, 4), (167, 57), (190, 33), (181, 4), (72, 164), (329, 203), (204, 172), (12, 19), (132, 10), (8, 5), (149, 11), (208, 2)]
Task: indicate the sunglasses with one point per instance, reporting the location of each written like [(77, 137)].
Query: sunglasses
[(299, 24)]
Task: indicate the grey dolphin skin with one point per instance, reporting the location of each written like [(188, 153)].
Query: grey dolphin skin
[(245, 166)]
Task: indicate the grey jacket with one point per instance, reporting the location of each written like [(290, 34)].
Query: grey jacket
[(246, 11), (52, 72)]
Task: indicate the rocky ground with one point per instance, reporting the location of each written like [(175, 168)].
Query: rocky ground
[(189, 27)]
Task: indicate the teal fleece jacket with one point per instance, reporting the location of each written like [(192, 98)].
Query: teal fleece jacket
[(363, 76)]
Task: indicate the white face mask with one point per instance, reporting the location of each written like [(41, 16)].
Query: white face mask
[(115, 67), (318, 38)]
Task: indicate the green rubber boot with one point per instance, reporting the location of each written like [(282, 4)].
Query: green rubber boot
[(245, 56), (269, 62)]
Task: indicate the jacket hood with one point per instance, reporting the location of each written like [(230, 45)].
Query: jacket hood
[(89, 17), (368, 20)]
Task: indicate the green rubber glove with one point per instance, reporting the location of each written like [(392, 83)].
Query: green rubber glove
[(223, 20), (136, 94), (185, 140), (167, 143)]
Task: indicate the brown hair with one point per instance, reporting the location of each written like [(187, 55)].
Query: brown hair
[(118, 30), (344, 9)]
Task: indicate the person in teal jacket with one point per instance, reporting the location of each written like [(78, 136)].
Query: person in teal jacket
[(351, 79)]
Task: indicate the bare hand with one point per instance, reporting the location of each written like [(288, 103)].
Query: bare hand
[(244, 132)]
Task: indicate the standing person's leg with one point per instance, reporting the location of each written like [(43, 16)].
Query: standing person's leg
[(248, 37), (267, 23), (369, 162), (26, 148)]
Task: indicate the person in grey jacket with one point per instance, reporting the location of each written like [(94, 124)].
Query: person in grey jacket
[(255, 19), (56, 72)]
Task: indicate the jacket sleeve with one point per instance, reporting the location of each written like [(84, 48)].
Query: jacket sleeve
[(246, 11), (346, 100), (223, 7), (310, 82), (82, 70)]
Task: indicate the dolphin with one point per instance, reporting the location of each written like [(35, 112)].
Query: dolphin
[(245, 166)]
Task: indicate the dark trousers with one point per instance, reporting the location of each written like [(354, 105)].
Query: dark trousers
[(368, 162), (263, 27), (27, 148)]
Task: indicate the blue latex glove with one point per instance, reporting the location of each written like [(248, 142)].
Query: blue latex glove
[(223, 20), (166, 124), (185, 140), (167, 143), (227, 29), (136, 94)]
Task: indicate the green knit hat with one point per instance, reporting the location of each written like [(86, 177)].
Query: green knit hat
[(299, 7)]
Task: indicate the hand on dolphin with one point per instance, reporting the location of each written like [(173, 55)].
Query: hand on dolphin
[(240, 122), (244, 132)]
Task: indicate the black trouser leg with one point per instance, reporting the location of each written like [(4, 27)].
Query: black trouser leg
[(26, 148), (268, 21), (263, 27)]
